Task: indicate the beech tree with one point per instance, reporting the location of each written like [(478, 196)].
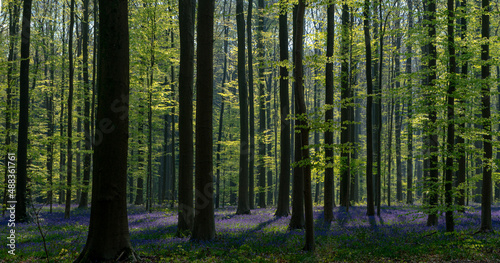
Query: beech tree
[(186, 71), (204, 222), (24, 105), (284, 184), (243, 197), (108, 237)]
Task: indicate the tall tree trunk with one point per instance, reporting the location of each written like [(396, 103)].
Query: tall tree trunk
[(486, 224), (431, 132), (251, 156), (224, 78), (69, 170), (22, 143), (450, 139), (397, 64), (284, 185), (186, 74), (389, 149), (369, 111), (302, 153), (262, 108), (269, 188), (297, 219), (345, 171), (108, 237), (86, 97), (139, 196), (12, 57), (243, 200), (329, 78), (377, 105), (462, 172), (409, 160), (204, 224)]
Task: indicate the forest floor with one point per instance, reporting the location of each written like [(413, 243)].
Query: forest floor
[(400, 234)]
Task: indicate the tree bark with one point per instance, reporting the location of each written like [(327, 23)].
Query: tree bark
[(24, 101), (243, 197), (431, 132), (204, 224), (186, 74), (108, 237), (369, 111), (345, 171), (450, 139), (14, 11), (302, 153), (284, 185), (86, 107), (486, 195), (329, 78), (262, 108), (409, 161), (69, 170), (251, 118)]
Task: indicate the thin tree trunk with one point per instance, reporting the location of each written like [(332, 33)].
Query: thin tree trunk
[(224, 78), (86, 97), (69, 170), (302, 153), (251, 156), (345, 171), (450, 139), (369, 109), (409, 161), (329, 78), (262, 108), (431, 136), (243, 197)]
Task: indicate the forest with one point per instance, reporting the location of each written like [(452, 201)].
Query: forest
[(250, 131)]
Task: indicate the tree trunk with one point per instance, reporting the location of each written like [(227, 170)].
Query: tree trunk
[(69, 170), (329, 78), (22, 143), (302, 153), (297, 219), (284, 185), (86, 97), (251, 160), (204, 224), (224, 78), (12, 57), (397, 64), (486, 224), (186, 74), (261, 166), (450, 139), (345, 171), (108, 237), (369, 111), (409, 161), (389, 149), (431, 132), (243, 200)]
